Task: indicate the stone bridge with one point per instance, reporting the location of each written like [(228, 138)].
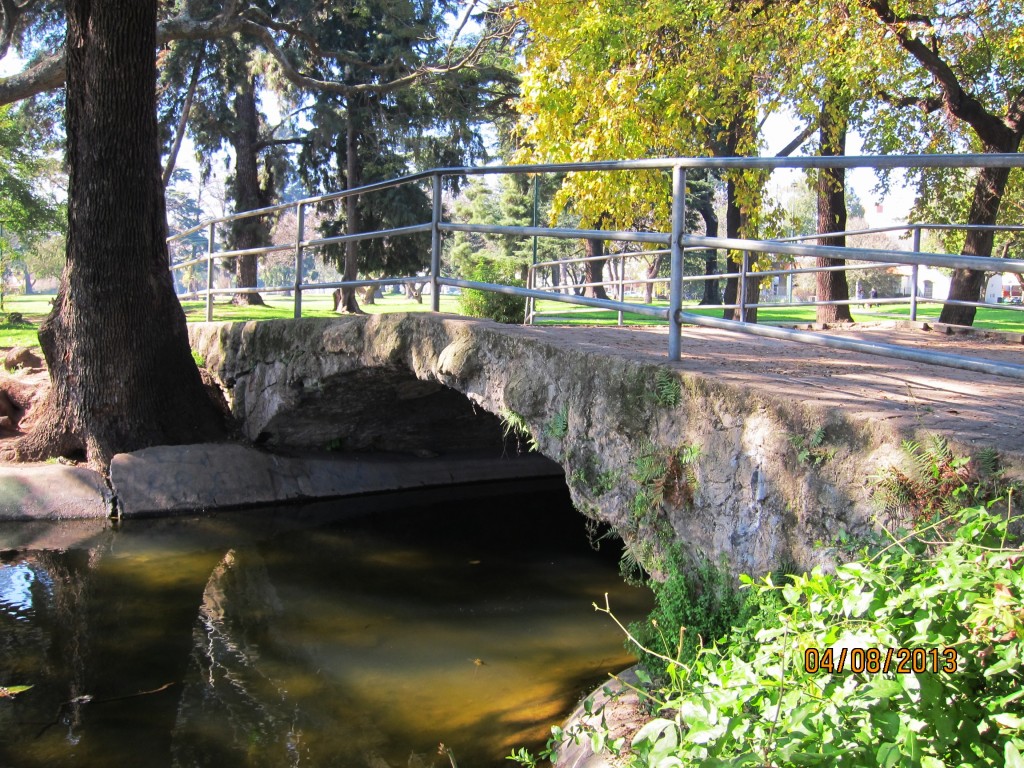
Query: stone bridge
[(758, 450)]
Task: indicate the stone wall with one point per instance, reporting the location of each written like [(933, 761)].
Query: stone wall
[(658, 453)]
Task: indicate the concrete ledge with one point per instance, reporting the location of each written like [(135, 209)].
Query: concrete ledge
[(52, 492), (170, 480)]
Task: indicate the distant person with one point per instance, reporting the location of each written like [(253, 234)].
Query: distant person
[(873, 295)]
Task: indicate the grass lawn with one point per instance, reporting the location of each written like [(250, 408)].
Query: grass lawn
[(35, 308)]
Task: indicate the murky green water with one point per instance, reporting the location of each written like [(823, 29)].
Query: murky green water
[(362, 635)]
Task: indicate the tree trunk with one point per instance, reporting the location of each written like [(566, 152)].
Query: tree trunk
[(706, 208), (29, 283), (831, 189), (595, 269), (369, 295), (653, 268), (347, 302), (967, 283), (734, 228), (251, 232), (122, 374)]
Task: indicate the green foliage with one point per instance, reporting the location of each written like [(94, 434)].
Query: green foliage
[(768, 694), (936, 482), (558, 426), (515, 426), (697, 605), (501, 307), (667, 391), (663, 476), (198, 359), (810, 451)]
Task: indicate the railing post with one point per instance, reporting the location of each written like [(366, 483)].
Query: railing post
[(300, 226), (744, 268), (209, 274), (913, 275), (675, 296), (622, 282), (435, 246)]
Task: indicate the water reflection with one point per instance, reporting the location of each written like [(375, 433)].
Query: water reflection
[(361, 642)]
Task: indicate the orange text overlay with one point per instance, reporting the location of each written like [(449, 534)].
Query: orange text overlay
[(901, 661)]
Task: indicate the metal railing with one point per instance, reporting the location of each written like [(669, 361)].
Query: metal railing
[(912, 298), (675, 242)]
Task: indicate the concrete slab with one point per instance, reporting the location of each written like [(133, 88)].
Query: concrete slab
[(52, 492), (173, 480)]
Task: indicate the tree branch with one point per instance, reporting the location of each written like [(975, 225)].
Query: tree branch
[(799, 139), (186, 108), (48, 74), (990, 129), (926, 104)]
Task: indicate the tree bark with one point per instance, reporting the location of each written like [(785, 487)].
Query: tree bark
[(122, 374), (967, 283), (705, 207), (251, 232), (347, 303), (733, 229), (594, 269), (653, 267), (831, 189)]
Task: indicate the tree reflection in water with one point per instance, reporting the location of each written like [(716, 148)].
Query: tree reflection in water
[(224, 642)]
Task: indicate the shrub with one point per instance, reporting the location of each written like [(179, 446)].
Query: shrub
[(497, 306), (817, 685)]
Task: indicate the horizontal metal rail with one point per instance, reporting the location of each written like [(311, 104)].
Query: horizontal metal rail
[(513, 290), (677, 243), (979, 365), (658, 238), (947, 260)]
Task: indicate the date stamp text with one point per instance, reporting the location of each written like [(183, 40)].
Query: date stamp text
[(901, 661)]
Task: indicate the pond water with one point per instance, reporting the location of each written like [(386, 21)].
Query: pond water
[(362, 633)]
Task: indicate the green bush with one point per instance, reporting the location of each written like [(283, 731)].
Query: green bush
[(697, 604), (816, 684), (497, 306)]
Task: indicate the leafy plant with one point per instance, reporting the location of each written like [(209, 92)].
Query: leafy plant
[(810, 450), (515, 426), (667, 391), (664, 475), (199, 360), (501, 307), (558, 426), (937, 482), (814, 683)]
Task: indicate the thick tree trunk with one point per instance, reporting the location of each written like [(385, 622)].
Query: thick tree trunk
[(122, 374), (347, 302), (831, 189), (967, 283), (251, 232), (595, 269)]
